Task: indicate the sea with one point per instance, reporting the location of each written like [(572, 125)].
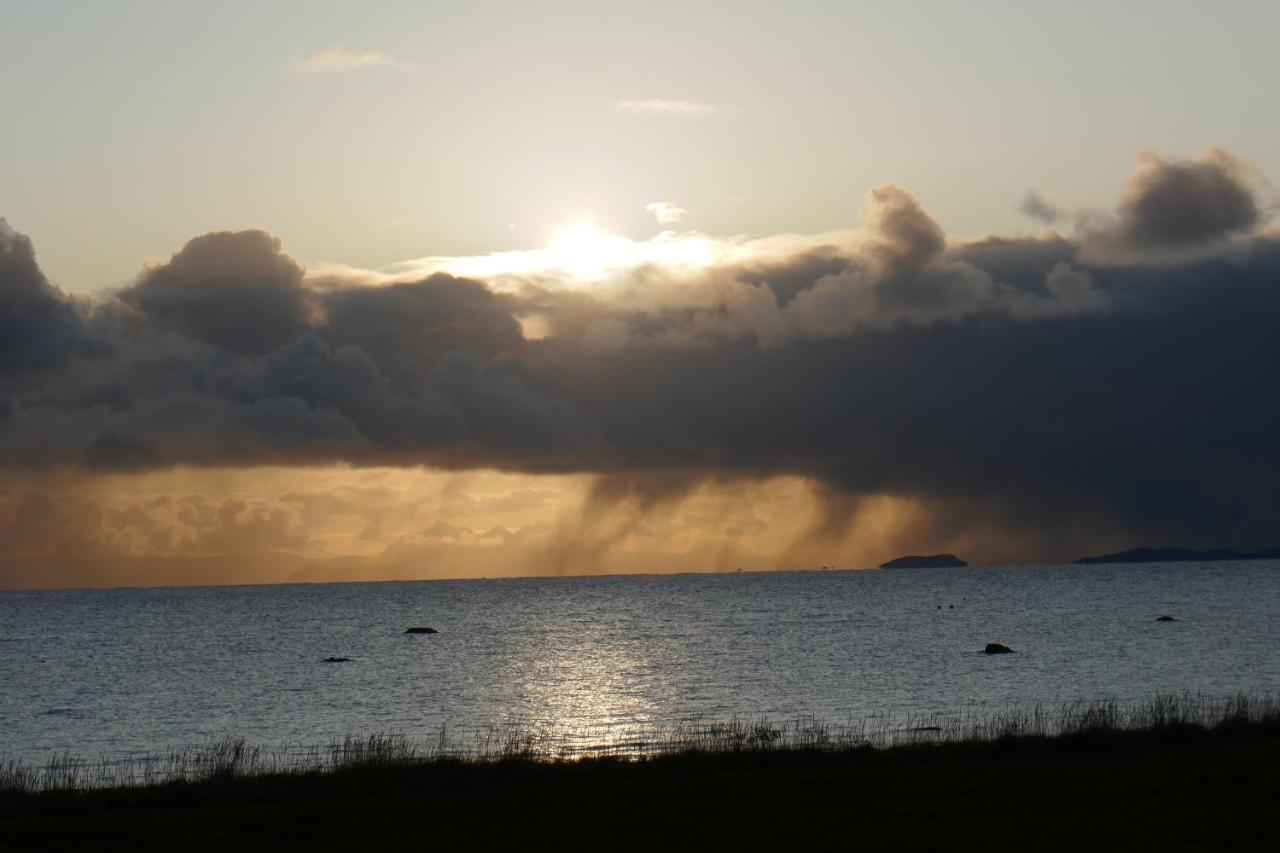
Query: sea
[(105, 673)]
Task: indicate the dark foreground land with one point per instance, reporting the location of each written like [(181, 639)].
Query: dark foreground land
[(1176, 788)]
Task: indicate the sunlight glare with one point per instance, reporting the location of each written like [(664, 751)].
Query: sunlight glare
[(580, 254), (587, 252)]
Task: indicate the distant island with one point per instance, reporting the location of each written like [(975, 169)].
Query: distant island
[(1178, 555), (937, 561)]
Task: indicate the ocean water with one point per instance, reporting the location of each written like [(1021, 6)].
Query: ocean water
[(100, 673)]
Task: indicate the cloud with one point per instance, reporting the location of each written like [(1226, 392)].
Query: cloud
[(1035, 205), (338, 60), (1178, 206), (38, 323), (1187, 202), (665, 212), (235, 290), (1029, 390), (662, 107), (245, 527), (905, 274), (188, 526), (1068, 292)]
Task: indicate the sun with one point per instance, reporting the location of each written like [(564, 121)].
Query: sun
[(587, 252), (578, 238), (583, 254)]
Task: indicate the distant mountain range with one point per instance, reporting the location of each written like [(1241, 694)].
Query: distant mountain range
[(1133, 555), (1179, 555)]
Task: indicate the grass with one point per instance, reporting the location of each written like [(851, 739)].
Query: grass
[(236, 757), (1176, 772)]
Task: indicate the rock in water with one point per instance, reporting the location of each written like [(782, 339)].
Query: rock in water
[(997, 649), (422, 630), (337, 660), (1165, 618), (936, 561)]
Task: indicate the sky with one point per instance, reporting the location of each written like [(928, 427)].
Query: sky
[(133, 126), (317, 291)]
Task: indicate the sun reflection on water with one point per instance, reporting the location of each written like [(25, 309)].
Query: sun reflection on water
[(592, 689)]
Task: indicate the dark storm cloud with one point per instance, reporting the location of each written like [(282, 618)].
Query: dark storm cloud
[(233, 289), (1016, 385), (38, 324), (1159, 413), (407, 328)]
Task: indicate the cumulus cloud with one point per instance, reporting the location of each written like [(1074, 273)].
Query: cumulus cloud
[(38, 324), (337, 60), (235, 290), (1179, 202), (1030, 380), (1178, 205), (905, 274), (1035, 205), (665, 212), (664, 107), (1067, 291)]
